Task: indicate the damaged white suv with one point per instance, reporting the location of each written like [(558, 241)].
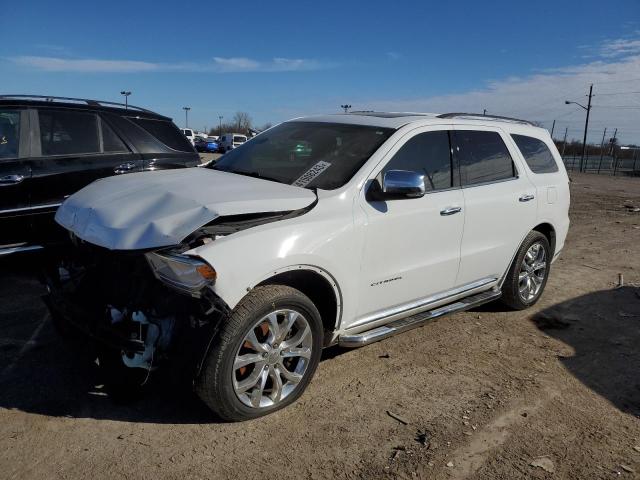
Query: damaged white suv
[(340, 229)]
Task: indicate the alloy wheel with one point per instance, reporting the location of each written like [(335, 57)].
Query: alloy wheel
[(532, 272), (272, 358)]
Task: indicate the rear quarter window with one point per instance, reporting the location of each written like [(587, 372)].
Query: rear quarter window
[(536, 154), (166, 132)]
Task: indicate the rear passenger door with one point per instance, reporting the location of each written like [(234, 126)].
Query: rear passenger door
[(499, 202), (74, 149)]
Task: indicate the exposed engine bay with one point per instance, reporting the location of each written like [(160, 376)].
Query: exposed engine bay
[(117, 304)]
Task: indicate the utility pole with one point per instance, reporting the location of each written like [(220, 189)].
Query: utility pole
[(553, 127), (613, 141), (602, 149), (220, 117), (345, 107), (186, 116), (564, 142), (126, 96), (586, 125)]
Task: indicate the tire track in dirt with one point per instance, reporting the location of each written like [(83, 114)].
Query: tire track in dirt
[(469, 458)]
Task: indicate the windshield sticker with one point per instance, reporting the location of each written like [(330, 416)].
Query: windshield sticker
[(307, 177)]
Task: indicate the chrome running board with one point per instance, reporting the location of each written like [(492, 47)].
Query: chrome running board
[(404, 324)]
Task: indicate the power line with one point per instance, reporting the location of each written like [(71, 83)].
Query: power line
[(615, 93), (617, 106)]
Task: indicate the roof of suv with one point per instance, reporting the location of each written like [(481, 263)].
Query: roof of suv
[(78, 103), (396, 120)]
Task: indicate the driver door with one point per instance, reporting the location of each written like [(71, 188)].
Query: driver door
[(412, 245)]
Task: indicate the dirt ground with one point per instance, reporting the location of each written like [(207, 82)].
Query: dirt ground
[(553, 392)]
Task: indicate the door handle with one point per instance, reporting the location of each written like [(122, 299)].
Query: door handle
[(125, 167), (526, 197), (11, 180), (450, 211)]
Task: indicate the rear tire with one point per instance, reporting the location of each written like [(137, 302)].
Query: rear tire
[(528, 273), (264, 356)]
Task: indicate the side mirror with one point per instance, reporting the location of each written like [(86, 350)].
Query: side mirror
[(398, 184)]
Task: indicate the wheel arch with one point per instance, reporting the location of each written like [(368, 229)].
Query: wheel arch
[(321, 288), (548, 231)]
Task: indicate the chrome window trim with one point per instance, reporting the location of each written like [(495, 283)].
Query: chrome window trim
[(26, 209), (10, 250)]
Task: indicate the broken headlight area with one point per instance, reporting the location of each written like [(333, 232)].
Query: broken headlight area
[(117, 301), (187, 274)]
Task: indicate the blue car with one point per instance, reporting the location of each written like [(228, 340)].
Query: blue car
[(209, 145)]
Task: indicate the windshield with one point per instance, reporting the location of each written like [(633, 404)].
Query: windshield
[(239, 139), (306, 154)]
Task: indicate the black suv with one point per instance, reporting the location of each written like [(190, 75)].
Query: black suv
[(50, 147)]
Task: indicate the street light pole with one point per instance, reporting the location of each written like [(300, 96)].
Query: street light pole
[(220, 117), (586, 126), (126, 96), (186, 116)]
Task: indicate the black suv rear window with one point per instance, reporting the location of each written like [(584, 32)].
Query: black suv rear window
[(68, 132), (536, 153), (166, 132)]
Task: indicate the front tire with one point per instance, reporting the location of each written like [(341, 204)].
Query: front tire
[(264, 356), (528, 273)]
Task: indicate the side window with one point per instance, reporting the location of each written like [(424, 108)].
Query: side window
[(483, 157), (536, 153), (111, 143), (9, 133), (428, 153), (68, 132), (166, 132)]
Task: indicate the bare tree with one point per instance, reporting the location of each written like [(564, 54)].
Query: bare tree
[(242, 121)]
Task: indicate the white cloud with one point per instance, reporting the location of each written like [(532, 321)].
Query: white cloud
[(620, 47), (54, 64), (236, 64), (540, 97), (216, 65)]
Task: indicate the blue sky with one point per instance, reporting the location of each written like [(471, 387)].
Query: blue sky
[(276, 60)]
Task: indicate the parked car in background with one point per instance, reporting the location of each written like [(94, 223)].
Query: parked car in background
[(229, 141), (338, 229), (190, 134), (208, 145), (51, 147)]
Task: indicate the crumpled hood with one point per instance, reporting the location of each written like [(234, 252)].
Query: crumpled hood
[(157, 209)]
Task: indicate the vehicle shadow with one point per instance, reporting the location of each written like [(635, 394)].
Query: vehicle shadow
[(603, 328)]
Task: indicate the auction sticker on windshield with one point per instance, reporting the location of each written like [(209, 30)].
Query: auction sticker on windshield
[(307, 177)]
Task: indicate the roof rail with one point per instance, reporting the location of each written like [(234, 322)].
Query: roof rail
[(475, 116), (92, 103)]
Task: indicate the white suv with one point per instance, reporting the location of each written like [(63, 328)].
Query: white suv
[(340, 229)]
